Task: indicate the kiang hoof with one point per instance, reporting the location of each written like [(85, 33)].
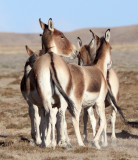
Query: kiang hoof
[(104, 144), (82, 145), (95, 144), (32, 142), (38, 142), (62, 144), (69, 146), (53, 145), (42, 145)]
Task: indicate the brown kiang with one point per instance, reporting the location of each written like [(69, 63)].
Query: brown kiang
[(53, 41), (88, 57)]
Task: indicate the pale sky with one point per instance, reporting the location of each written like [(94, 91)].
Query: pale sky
[(22, 16)]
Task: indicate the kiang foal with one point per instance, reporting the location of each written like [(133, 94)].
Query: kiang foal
[(86, 55), (85, 85)]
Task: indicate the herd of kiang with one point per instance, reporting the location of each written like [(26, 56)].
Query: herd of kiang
[(50, 86)]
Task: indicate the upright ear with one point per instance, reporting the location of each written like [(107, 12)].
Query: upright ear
[(96, 38), (79, 42), (91, 44), (93, 35), (40, 52), (29, 51), (42, 24), (107, 35), (50, 25)]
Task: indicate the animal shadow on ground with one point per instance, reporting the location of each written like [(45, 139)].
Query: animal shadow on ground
[(133, 124), (125, 135), (8, 140)]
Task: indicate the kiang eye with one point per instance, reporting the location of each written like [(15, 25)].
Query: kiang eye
[(62, 36)]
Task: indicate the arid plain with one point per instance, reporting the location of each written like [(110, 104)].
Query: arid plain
[(14, 118)]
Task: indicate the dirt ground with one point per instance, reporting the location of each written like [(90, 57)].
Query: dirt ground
[(15, 122)]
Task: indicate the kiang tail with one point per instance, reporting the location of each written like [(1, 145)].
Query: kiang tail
[(117, 108), (59, 87)]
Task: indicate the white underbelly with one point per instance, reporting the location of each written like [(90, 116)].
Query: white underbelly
[(89, 99)]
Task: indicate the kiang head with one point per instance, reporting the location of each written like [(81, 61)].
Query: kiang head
[(55, 41), (33, 56), (84, 52), (104, 49)]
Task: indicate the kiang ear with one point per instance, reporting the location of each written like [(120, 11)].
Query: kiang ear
[(79, 42), (93, 35), (107, 35), (50, 25), (43, 25), (40, 52), (91, 44), (29, 51)]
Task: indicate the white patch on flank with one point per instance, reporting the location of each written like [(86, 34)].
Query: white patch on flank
[(89, 99)]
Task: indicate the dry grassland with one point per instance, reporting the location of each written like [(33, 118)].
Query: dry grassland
[(14, 119), (15, 124)]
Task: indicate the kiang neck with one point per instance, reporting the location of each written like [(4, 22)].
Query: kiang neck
[(102, 64), (46, 49)]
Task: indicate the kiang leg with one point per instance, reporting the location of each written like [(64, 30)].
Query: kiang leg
[(113, 120), (37, 119), (32, 115), (85, 121), (101, 111), (75, 121), (92, 120), (62, 127)]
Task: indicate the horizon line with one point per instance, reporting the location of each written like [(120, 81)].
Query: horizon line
[(10, 32)]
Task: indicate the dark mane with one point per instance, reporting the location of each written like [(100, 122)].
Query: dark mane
[(90, 53), (31, 60), (87, 47), (102, 41), (44, 49)]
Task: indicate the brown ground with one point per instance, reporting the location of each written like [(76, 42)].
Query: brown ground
[(15, 123)]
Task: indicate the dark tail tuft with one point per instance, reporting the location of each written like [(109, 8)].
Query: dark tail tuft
[(132, 124), (116, 106)]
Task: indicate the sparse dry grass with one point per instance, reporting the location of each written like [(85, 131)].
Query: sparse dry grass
[(16, 49), (126, 47)]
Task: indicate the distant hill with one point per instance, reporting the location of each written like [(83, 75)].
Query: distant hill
[(14, 42), (125, 35)]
